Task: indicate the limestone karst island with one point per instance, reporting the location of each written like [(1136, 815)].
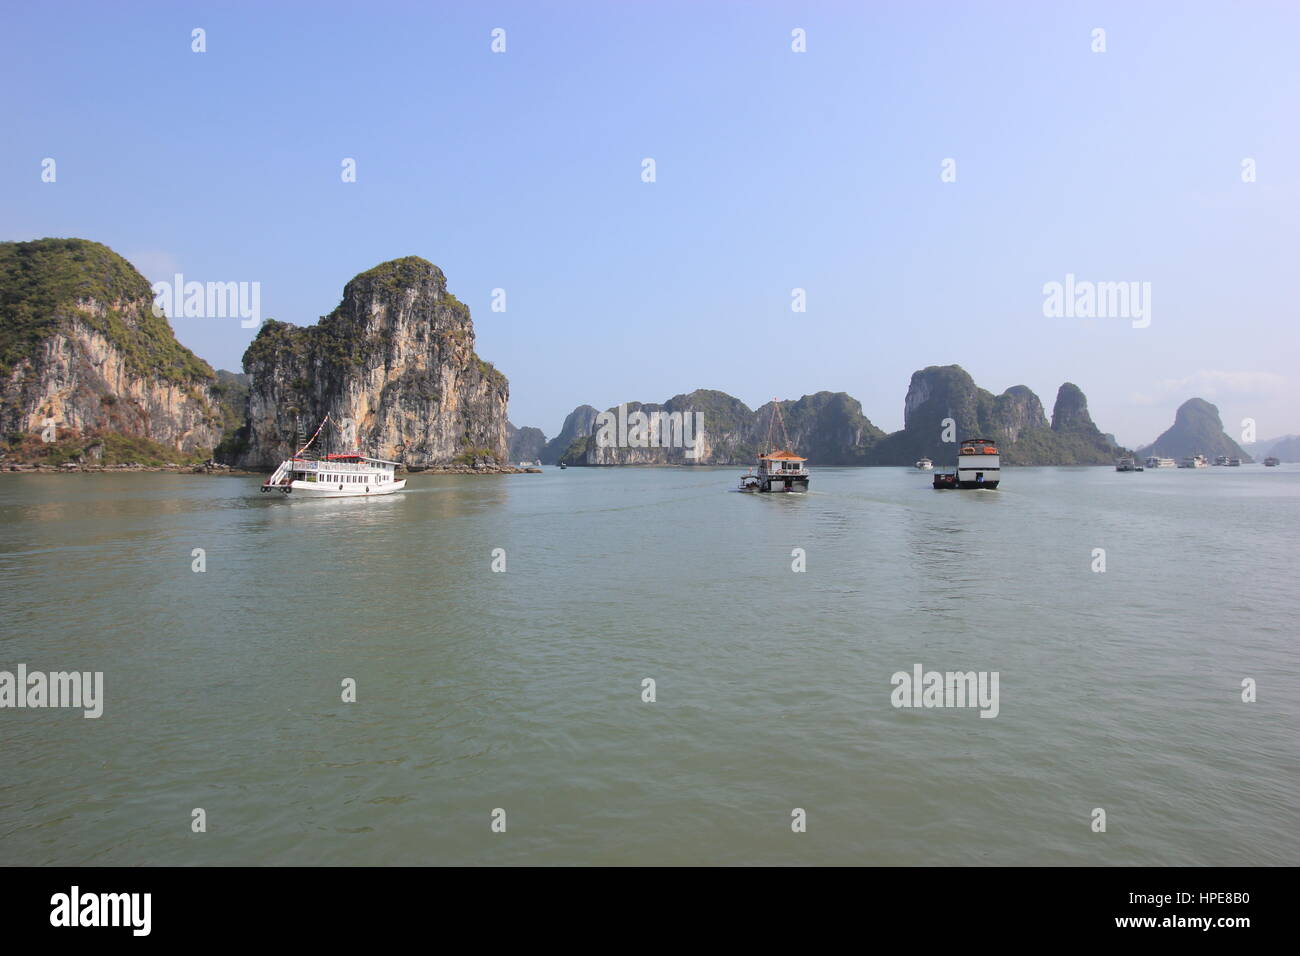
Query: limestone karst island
[(94, 378)]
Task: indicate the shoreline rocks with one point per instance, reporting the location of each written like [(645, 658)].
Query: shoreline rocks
[(217, 468)]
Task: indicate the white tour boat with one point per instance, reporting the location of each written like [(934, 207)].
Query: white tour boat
[(1154, 462), (978, 466), (1194, 461), (925, 464), (334, 476)]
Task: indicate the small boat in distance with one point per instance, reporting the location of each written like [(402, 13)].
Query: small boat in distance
[(1234, 462), (1271, 462), (1221, 460), (1154, 462), (334, 476), (563, 466), (1127, 464), (978, 466), (1194, 461), (779, 469), (925, 464)]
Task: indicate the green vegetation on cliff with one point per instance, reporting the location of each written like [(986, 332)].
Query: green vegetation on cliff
[(41, 284), (576, 453), (231, 393)]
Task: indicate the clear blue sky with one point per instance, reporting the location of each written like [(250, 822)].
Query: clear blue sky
[(776, 170)]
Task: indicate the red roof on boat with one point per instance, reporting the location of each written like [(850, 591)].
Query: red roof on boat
[(353, 454), (783, 456)]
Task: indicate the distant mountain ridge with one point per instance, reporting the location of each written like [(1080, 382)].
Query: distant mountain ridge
[(1015, 419), (1284, 448), (943, 406)]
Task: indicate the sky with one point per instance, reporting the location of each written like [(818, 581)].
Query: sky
[(774, 170)]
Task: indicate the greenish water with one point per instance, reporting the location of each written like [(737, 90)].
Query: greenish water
[(522, 690)]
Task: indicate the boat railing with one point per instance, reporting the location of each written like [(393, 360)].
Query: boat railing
[(279, 476), (309, 464)]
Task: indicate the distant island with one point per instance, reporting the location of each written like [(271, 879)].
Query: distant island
[(1197, 430), (943, 404), (91, 376)]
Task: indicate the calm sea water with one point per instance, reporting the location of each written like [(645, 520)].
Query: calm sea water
[(522, 690)]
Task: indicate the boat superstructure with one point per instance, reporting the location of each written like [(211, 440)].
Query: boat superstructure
[(1194, 461), (1154, 462), (978, 466), (779, 469), (334, 476), (1128, 464), (925, 464), (1271, 462)]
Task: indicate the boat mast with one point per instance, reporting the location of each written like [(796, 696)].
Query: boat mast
[(313, 437), (771, 426)]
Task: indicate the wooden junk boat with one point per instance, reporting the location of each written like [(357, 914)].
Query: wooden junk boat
[(978, 466), (779, 469)]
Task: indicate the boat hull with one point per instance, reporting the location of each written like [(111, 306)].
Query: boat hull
[(784, 485), (775, 485), (948, 481), (316, 489)]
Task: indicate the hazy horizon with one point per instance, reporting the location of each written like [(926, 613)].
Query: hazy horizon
[(775, 170)]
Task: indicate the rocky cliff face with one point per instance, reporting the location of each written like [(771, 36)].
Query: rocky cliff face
[(525, 444), (394, 365), (1016, 412), (1197, 430), (577, 426), (830, 428), (79, 344), (935, 394), (1072, 440), (1014, 419)]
